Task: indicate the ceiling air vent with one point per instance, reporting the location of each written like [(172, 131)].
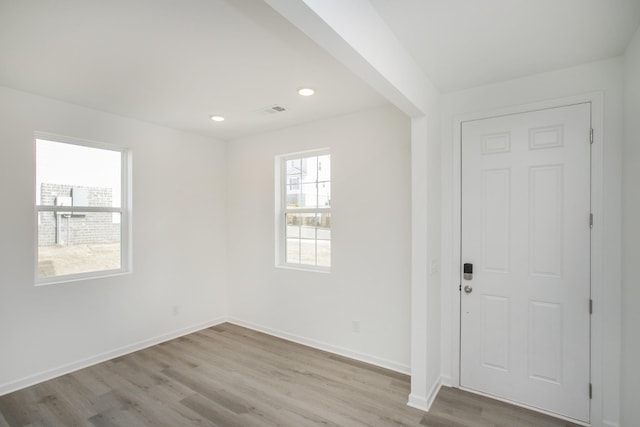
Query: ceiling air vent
[(273, 109)]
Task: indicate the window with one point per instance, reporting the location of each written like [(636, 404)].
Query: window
[(304, 217), (82, 210)]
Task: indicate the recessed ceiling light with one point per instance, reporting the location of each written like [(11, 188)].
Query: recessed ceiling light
[(306, 91), (217, 118)]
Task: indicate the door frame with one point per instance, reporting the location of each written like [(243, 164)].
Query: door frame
[(597, 237)]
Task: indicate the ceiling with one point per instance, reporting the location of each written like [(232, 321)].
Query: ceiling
[(176, 62), (467, 43)]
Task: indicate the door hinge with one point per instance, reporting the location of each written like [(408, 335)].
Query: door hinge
[(590, 306), (590, 391), (590, 220), (591, 136), (460, 287)]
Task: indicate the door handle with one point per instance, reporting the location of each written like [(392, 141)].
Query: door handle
[(468, 289)]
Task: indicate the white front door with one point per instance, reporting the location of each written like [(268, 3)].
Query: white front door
[(525, 318)]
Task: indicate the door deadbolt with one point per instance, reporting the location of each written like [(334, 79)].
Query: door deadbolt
[(467, 271)]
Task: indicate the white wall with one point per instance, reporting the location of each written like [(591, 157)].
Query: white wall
[(370, 277), (605, 76), (179, 245), (631, 237)]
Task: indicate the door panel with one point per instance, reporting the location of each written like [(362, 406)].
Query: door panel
[(525, 228)]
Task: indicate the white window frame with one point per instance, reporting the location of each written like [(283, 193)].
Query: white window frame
[(124, 210), (282, 210)]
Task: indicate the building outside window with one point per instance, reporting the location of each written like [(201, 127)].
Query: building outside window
[(304, 217), (82, 209)]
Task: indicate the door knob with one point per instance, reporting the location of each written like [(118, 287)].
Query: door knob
[(468, 289)]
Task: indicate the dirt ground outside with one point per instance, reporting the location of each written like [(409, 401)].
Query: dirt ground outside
[(62, 260), (309, 252)]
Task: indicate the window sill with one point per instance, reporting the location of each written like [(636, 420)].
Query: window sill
[(80, 277), (309, 269)]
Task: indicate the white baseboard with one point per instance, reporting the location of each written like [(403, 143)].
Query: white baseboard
[(362, 357), (102, 357), (418, 402), (446, 380), (424, 402), (433, 393)]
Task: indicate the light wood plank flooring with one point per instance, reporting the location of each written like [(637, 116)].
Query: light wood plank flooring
[(232, 376)]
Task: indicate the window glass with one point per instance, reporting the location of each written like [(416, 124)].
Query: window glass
[(306, 210), (76, 174), (79, 199), (77, 243)]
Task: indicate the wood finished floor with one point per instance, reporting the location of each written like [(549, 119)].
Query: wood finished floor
[(232, 376)]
